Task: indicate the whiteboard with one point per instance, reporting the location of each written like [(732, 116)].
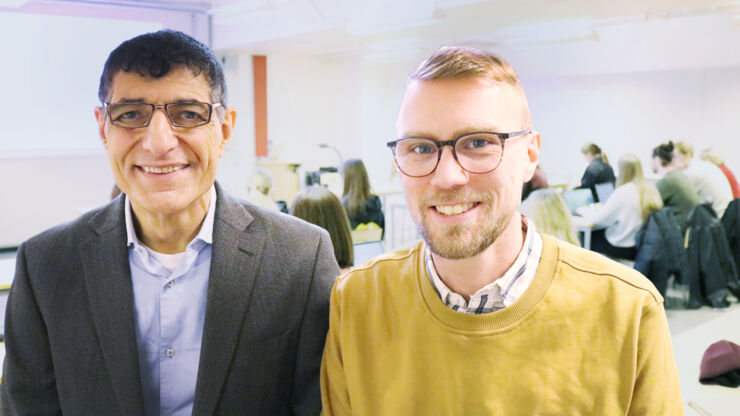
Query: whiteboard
[(52, 163)]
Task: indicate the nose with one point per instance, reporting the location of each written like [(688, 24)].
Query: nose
[(449, 174), (159, 135)]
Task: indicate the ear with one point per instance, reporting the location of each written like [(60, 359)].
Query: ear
[(227, 128), (100, 115), (533, 155)]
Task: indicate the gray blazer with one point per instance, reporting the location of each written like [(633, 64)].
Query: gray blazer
[(69, 331)]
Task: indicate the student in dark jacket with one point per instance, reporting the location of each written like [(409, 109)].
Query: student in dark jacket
[(661, 252), (710, 256), (361, 204), (731, 224), (598, 170)]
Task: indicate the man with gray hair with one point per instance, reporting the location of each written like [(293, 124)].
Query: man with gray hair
[(487, 316), (174, 298)]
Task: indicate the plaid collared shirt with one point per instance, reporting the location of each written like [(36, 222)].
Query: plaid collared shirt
[(503, 291)]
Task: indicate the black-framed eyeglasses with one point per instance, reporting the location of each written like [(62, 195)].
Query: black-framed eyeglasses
[(475, 152), (136, 115)]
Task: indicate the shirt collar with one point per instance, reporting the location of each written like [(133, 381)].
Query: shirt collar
[(496, 294), (206, 229)]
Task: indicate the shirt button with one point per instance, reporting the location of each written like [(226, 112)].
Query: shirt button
[(170, 283), (170, 352)]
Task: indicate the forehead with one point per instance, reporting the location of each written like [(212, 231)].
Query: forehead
[(178, 84), (446, 107)]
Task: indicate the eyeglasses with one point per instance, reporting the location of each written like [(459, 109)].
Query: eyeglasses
[(475, 152), (135, 115)]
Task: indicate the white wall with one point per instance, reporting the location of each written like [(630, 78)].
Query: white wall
[(238, 159), (633, 113), (52, 163), (40, 192), (314, 100)]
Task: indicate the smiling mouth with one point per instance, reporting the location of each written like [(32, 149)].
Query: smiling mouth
[(455, 209), (162, 169)]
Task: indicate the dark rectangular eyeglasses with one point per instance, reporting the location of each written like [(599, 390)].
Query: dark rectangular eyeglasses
[(136, 115), (475, 152)]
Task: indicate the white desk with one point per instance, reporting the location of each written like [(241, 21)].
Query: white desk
[(689, 347), (585, 227)]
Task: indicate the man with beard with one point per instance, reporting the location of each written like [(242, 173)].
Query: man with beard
[(486, 316)]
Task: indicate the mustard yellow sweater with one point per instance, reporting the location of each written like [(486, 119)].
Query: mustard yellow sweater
[(589, 337)]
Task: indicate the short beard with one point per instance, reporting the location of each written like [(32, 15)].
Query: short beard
[(463, 241)]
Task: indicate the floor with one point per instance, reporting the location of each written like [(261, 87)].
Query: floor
[(692, 332)]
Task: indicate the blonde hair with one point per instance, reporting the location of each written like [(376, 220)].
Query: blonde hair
[(459, 62), (685, 148), (356, 187), (590, 148), (320, 206), (711, 155), (630, 170), (549, 212)]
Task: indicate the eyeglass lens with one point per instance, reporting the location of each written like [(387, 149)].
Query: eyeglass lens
[(476, 153), (134, 115)]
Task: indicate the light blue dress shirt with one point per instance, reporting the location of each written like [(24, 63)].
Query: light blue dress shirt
[(170, 307)]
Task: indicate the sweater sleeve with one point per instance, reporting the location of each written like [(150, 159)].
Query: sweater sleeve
[(657, 390), (334, 393)]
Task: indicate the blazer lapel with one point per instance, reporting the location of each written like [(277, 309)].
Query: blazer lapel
[(237, 248), (108, 281)]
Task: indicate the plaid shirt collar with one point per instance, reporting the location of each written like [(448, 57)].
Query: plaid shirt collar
[(503, 291)]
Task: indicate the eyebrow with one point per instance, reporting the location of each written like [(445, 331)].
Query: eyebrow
[(127, 100), (460, 132)]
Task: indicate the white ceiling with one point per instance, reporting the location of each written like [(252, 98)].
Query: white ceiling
[(574, 36), (399, 26)]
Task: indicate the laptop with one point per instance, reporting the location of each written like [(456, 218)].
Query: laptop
[(577, 198), (366, 251), (603, 191)]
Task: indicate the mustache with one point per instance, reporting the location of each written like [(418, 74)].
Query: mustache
[(456, 196)]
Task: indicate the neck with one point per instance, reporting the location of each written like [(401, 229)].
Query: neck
[(172, 232), (469, 275)]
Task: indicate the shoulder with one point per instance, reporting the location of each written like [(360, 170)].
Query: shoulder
[(241, 214), (69, 234), (600, 275), (384, 274)]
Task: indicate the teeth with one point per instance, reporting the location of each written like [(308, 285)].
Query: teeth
[(166, 169), (454, 209)]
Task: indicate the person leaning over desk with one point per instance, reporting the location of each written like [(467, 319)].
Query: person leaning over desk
[(174, 298), (486, 315)]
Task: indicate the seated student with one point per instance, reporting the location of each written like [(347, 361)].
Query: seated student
[(547, 208), (708, 180), (361, 204), (712, 156), (598, 170), (259, 184), (320, 206), (625, 212), (674, 186)]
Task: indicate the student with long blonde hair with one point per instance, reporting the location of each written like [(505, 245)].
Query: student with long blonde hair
[(625, 212), (547, 208)]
